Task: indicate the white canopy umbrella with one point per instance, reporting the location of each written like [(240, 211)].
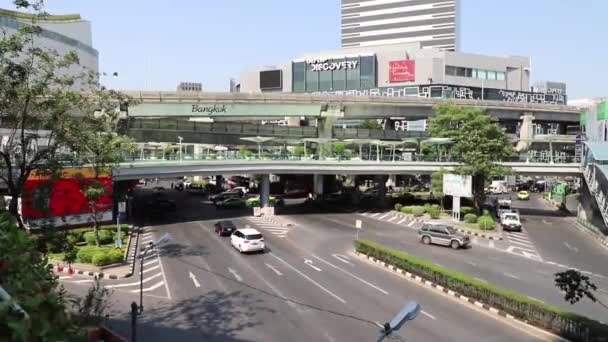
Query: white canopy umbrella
[(360, 142), (258, 140), (392, 145), (437, 142)]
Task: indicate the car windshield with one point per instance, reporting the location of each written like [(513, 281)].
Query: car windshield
[(451, 230), (253, 236), (510, 217)]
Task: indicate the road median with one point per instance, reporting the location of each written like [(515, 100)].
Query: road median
[(505, 302)]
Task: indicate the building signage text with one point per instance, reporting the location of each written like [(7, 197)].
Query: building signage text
[(209, 110), (402, 71), (328, 65)]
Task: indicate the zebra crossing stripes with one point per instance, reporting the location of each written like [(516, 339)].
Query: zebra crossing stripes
[(520, 244), (269, 226), (394, 218)]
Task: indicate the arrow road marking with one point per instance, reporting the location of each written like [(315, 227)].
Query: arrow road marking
[(309, 263), (236, 275), (274, 269), (428, 315), (342, 258), (193, 277), (572, 249)]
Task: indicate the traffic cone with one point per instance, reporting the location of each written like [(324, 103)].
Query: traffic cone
[(70, 270), (59, 268)]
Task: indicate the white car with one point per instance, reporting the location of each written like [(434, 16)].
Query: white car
[(247, 240)]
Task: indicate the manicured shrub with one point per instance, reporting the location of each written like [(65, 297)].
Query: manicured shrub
[(407, 209), (85, 254), (470, 218), (466, 210), (566, 324), (434, 212), (418, 211), (398, 206), (107, 257), (427, 207), (486, 222), (105, 237)]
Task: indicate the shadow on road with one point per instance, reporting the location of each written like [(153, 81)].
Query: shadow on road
[(178, 250)]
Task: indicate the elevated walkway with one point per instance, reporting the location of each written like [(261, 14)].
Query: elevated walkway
[(595, 172)]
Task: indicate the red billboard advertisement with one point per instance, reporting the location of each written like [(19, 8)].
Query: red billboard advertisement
[(402, 71)]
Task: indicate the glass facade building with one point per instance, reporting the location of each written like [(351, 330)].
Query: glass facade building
[(334, 74)]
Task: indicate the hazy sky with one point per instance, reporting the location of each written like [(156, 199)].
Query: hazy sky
[(155, 44)]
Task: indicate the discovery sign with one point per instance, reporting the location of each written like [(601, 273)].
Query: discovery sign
[(223, 110)]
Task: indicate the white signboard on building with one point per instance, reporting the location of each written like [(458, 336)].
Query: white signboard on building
[(457, 185)]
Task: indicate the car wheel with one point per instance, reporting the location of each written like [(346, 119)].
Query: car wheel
[(426, 240), (455, 244)]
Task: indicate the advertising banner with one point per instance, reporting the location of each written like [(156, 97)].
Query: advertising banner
[(457, 185), (402, 71)]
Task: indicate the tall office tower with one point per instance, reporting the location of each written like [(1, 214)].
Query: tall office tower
[(433, 23)]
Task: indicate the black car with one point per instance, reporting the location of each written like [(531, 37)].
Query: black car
[(224, 228), (225, 195)]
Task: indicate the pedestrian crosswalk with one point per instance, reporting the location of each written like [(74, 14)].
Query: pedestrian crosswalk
[(395, 218), (520, 244), (270, 225)]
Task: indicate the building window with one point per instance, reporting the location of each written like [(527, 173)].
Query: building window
[(492, 75), (353, 79), (481, 74), (339, 76), (312, 80), (325, 80), (450, 70), (368, 72), (500, 76), (299, 77)]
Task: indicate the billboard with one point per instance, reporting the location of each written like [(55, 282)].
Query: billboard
[(402, 71), (457, 185), (271, 79)]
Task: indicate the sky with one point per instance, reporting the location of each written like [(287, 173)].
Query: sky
[(155, 44)]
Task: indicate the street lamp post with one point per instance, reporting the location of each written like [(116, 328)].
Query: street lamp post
[(163, 239), (180, 148)]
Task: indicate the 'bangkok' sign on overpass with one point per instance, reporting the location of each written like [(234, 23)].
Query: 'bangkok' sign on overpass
[(223, 109)]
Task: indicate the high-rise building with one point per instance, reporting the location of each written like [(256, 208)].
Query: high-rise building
[(433, 23), (190, 86)]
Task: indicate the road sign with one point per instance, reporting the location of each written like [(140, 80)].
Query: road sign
[(122, 207), (118, 243), (257, 211), (358, 224), (457, 185)]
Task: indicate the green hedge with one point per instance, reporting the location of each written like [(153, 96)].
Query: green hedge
[(486, 222), (398, 206), (466, 210), (105, 237), (418, 211), (549, 317), (106, 258), (434, 212), (470, 218), (407, 209), (99, 256)]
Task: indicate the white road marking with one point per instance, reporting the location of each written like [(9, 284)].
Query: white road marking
[(602, 290), (571, 248), (236, 275), (342, 258), (309, 279), (428, 315), (150, 262), (475, 240), (411, 223), (83, 281), (162, 271), (482, 280), (274, 269), (403, 220), (510, 275), (374, 215), (309, 263), (491, 244), (134, 283), (146, 270), (153, 287), (193, 277), (529, 244), (65, 277), (352, 275), (382, 217), (471, 263), (393, 218), (147, 234)]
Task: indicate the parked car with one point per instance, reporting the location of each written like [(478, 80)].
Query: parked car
[(225, 195), (247, 240), (255, 201), (511, 222), (523, 195), (441, 234), (234, 202), (224, 228)]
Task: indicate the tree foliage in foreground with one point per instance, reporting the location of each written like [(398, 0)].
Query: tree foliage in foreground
[(44, 98), (478, 143), (577, 286)]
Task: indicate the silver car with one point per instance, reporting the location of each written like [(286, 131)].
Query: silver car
[(441, 234)]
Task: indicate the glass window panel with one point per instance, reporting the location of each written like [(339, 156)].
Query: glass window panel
[(500, 76), (469, 72), (481, 74), (339, 77), (299, 77), (491, 75), (368, 72), (312, 79), (353, 80), (460, 71), (450, 70), (325, 80)]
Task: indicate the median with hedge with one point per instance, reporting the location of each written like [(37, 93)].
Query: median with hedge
[(78, 245), (545, 316)]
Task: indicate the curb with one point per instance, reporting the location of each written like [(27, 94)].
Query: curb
[(465, 231), (603, 241), (133, 253), (98, 275), (454, 294)]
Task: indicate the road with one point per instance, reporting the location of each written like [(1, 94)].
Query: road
[(308, 286)]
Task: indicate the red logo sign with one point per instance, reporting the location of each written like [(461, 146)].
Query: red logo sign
[(402, 71)]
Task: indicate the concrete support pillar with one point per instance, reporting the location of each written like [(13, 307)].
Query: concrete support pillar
[(318, 185), (265, 191)]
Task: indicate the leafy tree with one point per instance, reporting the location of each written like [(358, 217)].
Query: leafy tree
[(338, 149), (370, 124), (437, 184), (298, 150), (479, 144), (42, 93), (576, 286)]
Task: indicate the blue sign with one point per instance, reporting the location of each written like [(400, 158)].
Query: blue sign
[(118, 243)]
